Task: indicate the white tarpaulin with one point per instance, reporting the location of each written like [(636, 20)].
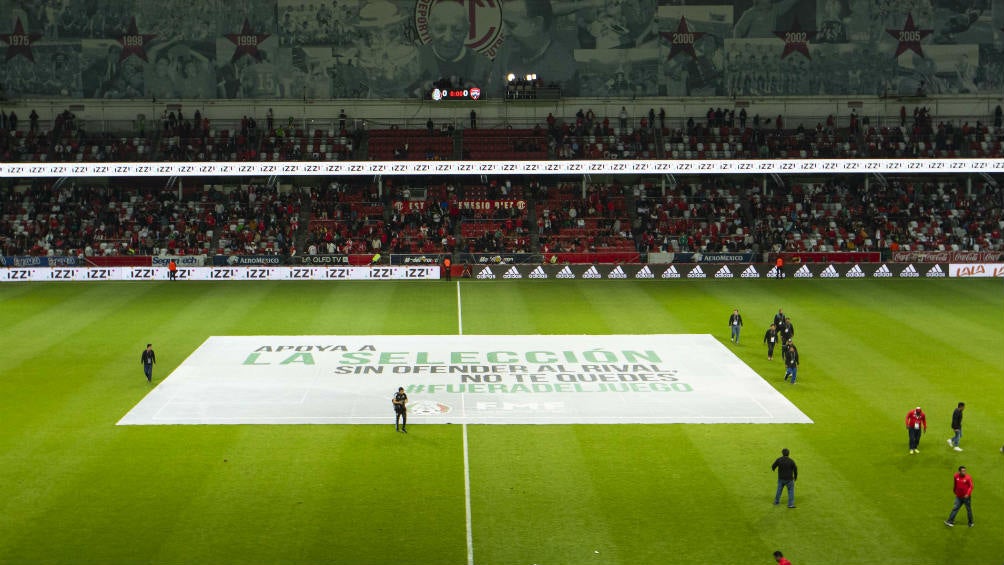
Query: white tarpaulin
[(475, 379)]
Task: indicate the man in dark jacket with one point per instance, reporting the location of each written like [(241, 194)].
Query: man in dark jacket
[(770, 338), (786, 330), (787, 474), (791, 362), (957, 427), (148, 358)]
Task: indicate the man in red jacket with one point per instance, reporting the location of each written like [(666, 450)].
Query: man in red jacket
[(916, 421), (963, 488)]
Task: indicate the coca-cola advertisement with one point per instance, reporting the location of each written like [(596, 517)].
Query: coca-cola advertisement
[(946, 256)]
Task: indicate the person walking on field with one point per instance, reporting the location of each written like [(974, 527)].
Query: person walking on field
[(736, 323), (770, 338), (781, 559), (963, 489), (916, 423), (148, 359), (779, 318), (953, 442), (791, 362), (786, 330), (787, 474)]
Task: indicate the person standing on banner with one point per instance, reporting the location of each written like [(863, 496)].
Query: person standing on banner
[(447, 268), (148, 359), (172, 270), (400, 402), (736, 323), (953, 442), (963, 489), (916, 423), (779, 267)]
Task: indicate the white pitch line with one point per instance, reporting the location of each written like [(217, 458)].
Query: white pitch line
[(460, 313), (467, 503), (467, 467)]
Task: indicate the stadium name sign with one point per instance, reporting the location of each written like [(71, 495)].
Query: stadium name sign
[(497, 379), (342, 168)]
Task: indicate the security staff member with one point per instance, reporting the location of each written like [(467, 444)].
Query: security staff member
[(148, 358), (400, 402), (791, 362)]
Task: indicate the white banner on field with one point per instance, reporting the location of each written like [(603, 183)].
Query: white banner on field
[(476, 379)]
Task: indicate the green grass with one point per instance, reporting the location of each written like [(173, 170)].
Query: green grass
[(75, 488)]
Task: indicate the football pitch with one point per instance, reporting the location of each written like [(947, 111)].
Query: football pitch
[(486, 490)]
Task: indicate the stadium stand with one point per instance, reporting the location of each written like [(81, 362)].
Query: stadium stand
[(606, 222)]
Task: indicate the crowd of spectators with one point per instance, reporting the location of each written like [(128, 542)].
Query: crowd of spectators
[(718, 134), (844, 213), (253, 219), (590, 137), (89, 220), (701, 214), (347, 218), (706, 214), (599, 221)]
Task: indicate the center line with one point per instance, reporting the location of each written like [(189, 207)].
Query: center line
[(460, 313), (467, 468), (467, 502)]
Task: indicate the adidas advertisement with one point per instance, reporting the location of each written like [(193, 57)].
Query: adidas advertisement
[(512, 273), (678, 271), (504, 271)]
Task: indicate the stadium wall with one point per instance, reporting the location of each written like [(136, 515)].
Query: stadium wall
[(393, 49)]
